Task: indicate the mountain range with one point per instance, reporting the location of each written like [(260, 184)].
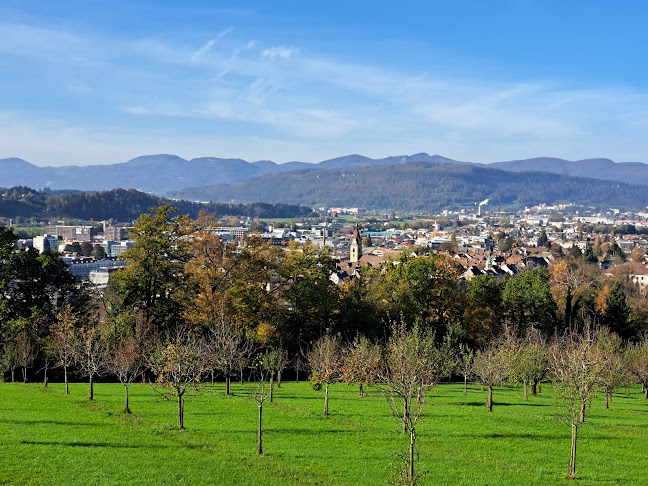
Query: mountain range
[(217, 179)]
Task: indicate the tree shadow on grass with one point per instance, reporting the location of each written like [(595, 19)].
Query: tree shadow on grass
[(52, 422), (510, 436), (91, 444), (503, 404)]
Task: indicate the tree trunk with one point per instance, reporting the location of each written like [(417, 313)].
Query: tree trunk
[(91, 393), (582, 411), (326, 412), (406, 415), (489, 400), (539, 387), (607, 400), (526, 393), (271, 387), (241, 377), (259, 438), (410, 473), (212, 377), (646, 393), (228, 391), (12, 375), (465, 385), (180, 412), (67, 385), (571, 471), (45, 378), (361, 390), (24, 374), (534, 388), (126, 408), (419, 395), (297, 370), (279, 379)]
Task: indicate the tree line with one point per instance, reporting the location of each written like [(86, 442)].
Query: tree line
[(124, 205)]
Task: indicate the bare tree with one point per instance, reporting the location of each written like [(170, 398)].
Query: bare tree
[(466, 356), (362, 361), (178, 364), (576, 366), (128, 354), (228, 347), (260, 395), (26, 350), (529, 360), (638, 357), (64, 343), (413, 364), (325, 361), (490, 368), (609, 346), (93, 353)]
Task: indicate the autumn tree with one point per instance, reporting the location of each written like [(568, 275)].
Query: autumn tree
[(154, 274), (571, 282), (92, 353), (230, 281), (178, 363), (64, 342), (610, 351), (490, 368), (576, 367), (413, 366), (325, 362), (129, 351), (361, 363)]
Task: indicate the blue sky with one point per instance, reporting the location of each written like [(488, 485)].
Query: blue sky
[(87, 82)]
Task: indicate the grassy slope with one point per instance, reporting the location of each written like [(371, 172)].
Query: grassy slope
[(48, 438)]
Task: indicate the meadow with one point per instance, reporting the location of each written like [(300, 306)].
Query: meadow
[(47, 437)]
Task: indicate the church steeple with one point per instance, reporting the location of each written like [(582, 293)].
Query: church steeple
[(356, 246)]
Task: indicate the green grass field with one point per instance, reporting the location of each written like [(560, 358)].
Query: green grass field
[(47, 437)]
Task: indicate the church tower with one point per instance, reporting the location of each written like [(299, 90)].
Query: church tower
[(356, 246)]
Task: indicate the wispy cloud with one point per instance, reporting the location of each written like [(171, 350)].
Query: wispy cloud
[(208, 46), (279, 53)]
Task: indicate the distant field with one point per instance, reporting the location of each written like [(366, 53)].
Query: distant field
[(31, 230), (49, 438)]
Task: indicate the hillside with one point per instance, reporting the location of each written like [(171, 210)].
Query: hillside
[(124, 205), (162, 174), (606, 169), (422, 186)]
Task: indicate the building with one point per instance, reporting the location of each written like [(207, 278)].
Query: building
[(73, 233), (82, 268), (115, 233), (236, 231), (51, 245), (356, 246)]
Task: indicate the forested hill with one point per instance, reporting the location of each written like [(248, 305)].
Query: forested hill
[(422, 186), (124, 205)]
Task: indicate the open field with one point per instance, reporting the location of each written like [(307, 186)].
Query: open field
[(49, 438)]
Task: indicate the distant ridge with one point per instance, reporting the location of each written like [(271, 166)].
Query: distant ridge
[(422, 186), (165, 173)]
